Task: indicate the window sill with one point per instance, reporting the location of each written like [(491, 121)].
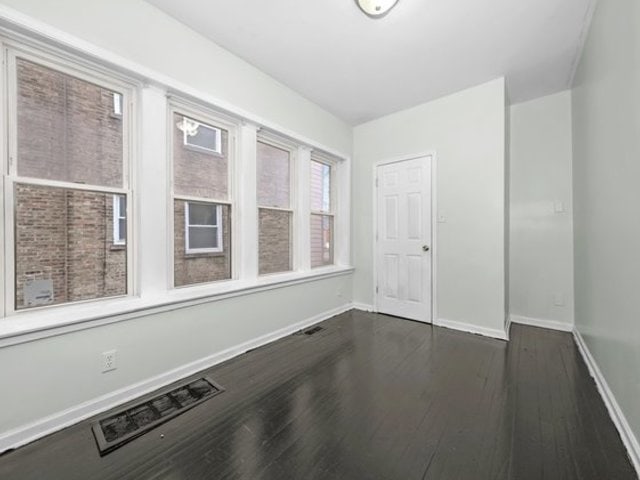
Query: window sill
[(27, 326)]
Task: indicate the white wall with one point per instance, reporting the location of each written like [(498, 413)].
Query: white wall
[(541, 238), (606, 184), (65, 369), (467, 133), (142, 33)]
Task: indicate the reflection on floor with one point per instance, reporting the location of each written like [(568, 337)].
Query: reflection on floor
[(370, 397)]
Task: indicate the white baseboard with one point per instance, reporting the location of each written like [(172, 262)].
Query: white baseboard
[(365, 307), (53, 423), (470, 328), (538, 322), (619, 420)]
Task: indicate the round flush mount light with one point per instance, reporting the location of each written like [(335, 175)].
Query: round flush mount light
[(376, 8)]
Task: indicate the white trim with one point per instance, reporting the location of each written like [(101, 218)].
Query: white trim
[(538, 322), (302, 219), (470, 328), (53, 423), (434, 225), (617, 415), (365, 307), (28, 325)]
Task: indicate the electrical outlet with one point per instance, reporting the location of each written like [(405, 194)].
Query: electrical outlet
[(109, 361), (558, 300)]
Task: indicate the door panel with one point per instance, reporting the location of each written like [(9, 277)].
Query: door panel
[(404, 228)]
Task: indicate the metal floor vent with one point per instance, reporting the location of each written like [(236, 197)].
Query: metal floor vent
[(119, 428), (313, 330)]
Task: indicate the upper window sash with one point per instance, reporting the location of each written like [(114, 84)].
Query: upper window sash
[(275, 142), (115, 89), (329, 196), (178, 110)]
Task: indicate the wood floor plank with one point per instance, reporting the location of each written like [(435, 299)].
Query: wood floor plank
[(370, 397)]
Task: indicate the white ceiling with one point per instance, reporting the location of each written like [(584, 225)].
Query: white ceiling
[(361, 68)]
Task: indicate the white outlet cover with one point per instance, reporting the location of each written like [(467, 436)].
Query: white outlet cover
[(558, 300), (109, 360)]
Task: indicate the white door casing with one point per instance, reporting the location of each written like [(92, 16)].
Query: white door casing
[(404, 239)]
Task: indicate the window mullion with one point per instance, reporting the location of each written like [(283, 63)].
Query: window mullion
[(154, 265), (246, 241), (302, 257), (342, 210)]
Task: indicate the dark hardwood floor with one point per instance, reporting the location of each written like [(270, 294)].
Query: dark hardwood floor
[(370, 397)]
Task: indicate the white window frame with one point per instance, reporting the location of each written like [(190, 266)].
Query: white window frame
[(181, 107), (217, 226), (217, 131), (318, 157), (275, 141), (85, 71), (117, 216)]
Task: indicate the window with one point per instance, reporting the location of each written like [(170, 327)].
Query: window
[(69, 186), (117, 104), (119, 219), (203, 229), (322, 217), (275, 216), (201, 136), (202, 206)]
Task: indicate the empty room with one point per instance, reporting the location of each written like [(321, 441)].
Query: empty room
[(346, 239)]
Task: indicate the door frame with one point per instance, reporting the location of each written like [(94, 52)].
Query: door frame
[(434, 223)]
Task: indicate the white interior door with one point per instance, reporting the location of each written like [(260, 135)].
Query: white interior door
[(403, 240)]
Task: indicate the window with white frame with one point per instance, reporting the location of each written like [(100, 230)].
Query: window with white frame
[(117, 104), (203, 229), (275, 215), (70, 161), (119, 203), (322, 212), (201, 136), (201, 199)]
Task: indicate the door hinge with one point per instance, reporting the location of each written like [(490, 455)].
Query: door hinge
[(376, 289), (376, 181)]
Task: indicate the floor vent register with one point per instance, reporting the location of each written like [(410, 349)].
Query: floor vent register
[(116, 429)]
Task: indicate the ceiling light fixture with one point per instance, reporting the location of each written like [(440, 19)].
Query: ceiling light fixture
[(376, 8)]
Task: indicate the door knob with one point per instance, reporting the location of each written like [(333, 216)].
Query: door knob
[(425, 248)]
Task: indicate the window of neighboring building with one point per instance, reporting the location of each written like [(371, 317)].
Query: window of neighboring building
[(322, 213), (201, 136), (119, 219), (202, 202), (68, 183), (275, 216), (117, 104), (203, 227)]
